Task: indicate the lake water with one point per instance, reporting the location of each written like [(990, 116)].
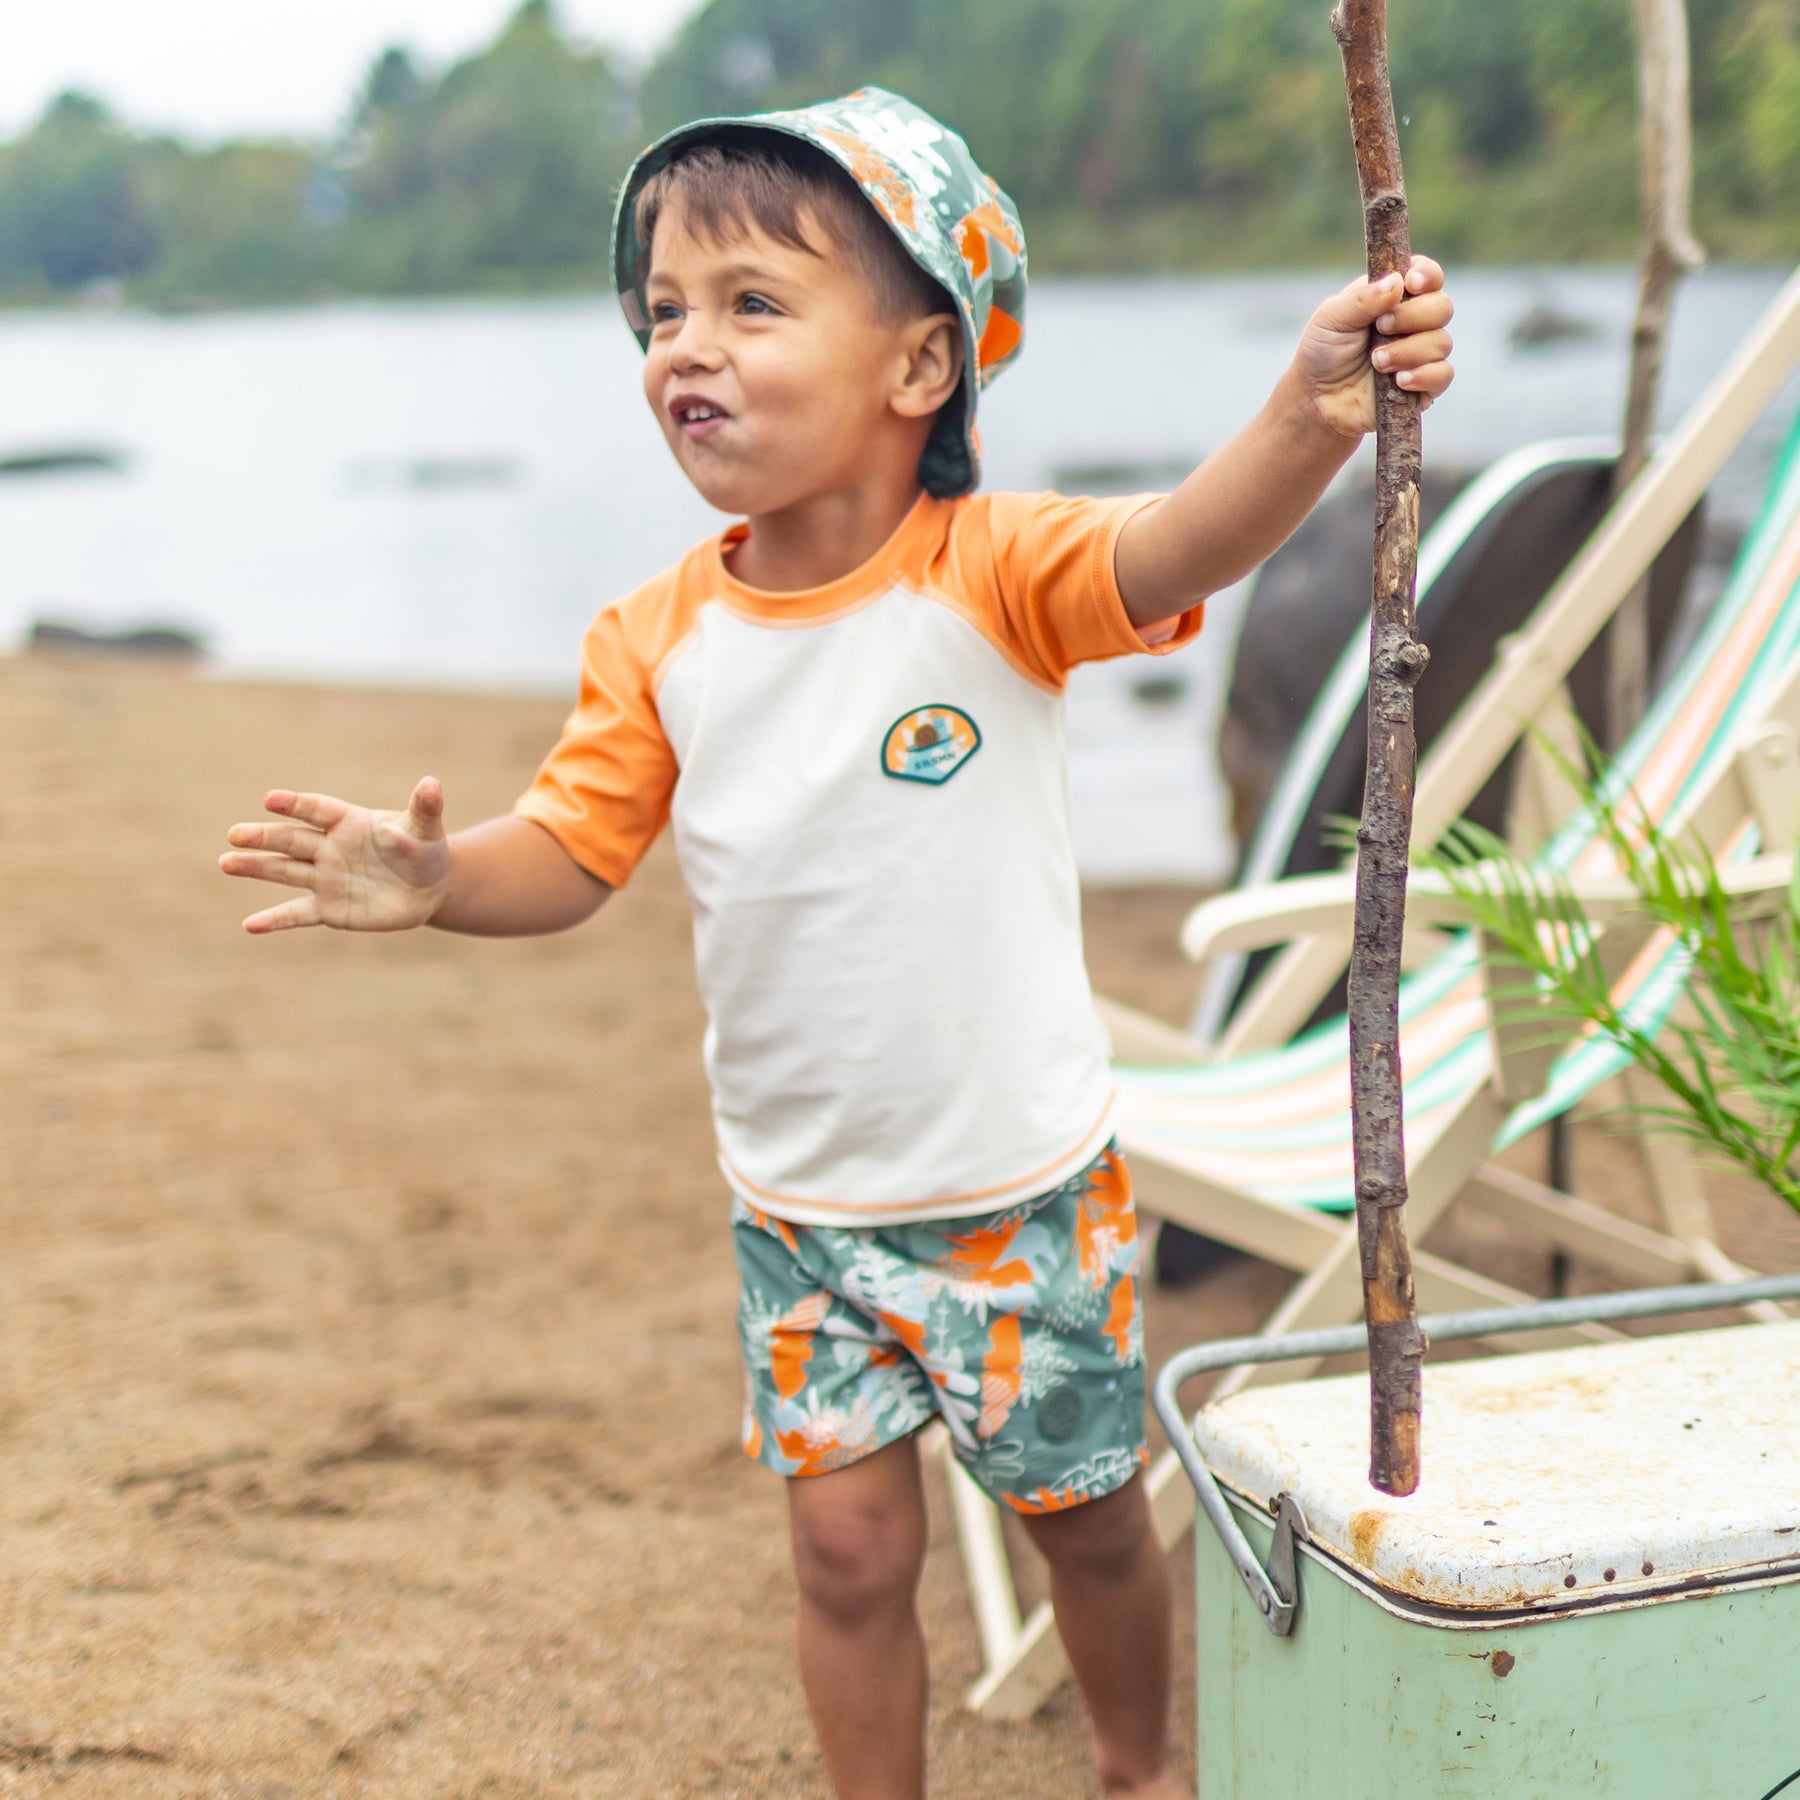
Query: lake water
[(444, 493)]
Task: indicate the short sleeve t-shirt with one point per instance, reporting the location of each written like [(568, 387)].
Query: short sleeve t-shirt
[(867, 787)]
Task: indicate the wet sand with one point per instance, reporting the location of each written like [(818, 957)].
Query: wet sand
[(368, 1387)]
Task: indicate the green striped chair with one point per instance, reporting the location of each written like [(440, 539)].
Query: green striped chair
[(1256, 1150)]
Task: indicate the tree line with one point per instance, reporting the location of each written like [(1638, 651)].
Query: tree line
[(1136, 134)]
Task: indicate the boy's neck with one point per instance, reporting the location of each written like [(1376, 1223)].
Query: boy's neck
[(823, 538)]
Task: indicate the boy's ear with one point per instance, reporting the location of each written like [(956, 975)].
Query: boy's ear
[(933, 367)]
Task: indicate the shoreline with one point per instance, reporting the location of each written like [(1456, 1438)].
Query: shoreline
[(1324, 267)]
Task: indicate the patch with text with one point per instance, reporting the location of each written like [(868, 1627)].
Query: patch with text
[(929, 744)]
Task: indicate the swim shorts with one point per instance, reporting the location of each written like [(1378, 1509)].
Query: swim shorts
[(1020, 1329)]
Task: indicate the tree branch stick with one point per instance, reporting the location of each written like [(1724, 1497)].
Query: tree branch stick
[(1668, 253), (1396, 660)]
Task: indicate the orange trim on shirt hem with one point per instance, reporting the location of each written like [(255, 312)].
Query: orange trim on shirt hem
[(1021, 1186)]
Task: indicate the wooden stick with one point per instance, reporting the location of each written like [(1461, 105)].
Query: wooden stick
[(1668, 253), (1396, 661)]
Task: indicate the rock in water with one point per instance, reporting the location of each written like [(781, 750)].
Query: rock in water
[(153, 643)]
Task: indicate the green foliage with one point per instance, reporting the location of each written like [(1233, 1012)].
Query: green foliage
[(1772, 104), (392, 84), (1730, 1060), (1136, 134), (73, 203), (235, 225), (1077, 105), (1156, 133), (501, 173)]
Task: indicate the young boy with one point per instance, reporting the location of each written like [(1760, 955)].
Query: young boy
[(850, 706)]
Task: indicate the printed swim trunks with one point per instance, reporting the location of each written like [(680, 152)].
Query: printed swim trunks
[(1020, 1329)]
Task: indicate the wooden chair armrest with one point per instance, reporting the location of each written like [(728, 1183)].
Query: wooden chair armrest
[(1277, 912), (1273, 912)]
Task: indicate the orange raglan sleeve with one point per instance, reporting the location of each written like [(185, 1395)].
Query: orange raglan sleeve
[(603, 791), (1048, 560)]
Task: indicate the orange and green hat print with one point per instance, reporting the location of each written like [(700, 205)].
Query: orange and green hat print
[(956, 223)]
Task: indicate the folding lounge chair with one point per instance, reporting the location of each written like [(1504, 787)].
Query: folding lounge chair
[(1255, 1150), (1522, 689), (1484, 566)]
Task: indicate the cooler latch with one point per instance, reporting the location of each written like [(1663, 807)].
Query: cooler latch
[(1282, 1578)]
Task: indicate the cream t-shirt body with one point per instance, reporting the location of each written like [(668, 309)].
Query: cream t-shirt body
[(870, 804)]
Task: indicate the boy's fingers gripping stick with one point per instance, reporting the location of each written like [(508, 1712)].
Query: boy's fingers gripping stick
[(1368, 300)]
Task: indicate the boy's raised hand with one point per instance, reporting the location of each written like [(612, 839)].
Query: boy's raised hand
[(1410, 341), (362, 870), (1245, 499)]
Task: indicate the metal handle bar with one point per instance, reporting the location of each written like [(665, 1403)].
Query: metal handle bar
[(1274, 1589)]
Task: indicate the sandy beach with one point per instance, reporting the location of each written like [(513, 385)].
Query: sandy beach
[(368, 1385)]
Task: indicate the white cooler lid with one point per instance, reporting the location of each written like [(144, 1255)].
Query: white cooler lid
[(1548, 1479)]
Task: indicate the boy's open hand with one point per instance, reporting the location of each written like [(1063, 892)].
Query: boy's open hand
[(363, 870), (1410, 338)]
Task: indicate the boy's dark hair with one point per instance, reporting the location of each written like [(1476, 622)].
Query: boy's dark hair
[(738, 178)]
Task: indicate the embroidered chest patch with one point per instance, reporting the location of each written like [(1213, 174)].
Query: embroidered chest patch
[(929, 744)]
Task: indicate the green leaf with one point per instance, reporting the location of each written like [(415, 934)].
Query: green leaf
[(1731, 1068)]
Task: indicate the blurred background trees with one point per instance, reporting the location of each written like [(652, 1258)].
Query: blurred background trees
[(496, 174), (75, 204), (1137, 134)]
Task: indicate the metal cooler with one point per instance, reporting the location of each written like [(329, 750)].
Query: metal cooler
[(1595, 1591)]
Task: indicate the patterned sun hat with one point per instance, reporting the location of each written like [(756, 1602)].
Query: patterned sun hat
[(956, 223)]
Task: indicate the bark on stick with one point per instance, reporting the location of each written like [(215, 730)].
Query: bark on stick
[(1668, 253), (1396, 661)]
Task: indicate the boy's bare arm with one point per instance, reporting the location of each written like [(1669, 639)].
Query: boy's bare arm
[(1244, 501), (364, 870)]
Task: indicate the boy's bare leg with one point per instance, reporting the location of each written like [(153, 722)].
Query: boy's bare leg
[(1110, 1587), (859, 1536)]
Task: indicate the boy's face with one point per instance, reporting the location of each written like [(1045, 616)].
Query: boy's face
[(771, 372)]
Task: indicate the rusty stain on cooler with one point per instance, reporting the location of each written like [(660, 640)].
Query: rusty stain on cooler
[(1503, 1664), (1575, 1393), (1365, 1533)]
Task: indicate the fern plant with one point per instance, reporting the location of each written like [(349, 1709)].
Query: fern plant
[(1730, 1063)]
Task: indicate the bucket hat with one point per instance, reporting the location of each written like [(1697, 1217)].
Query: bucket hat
[(955, 222)]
